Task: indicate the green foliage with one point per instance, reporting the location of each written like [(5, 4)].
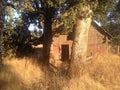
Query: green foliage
[(79, 9), (112, 23), (8, 47), (102, 8), (114, 30), (75, 9), (17, 41)]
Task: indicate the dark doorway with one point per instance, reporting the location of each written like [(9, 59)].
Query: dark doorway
[(65, 52)]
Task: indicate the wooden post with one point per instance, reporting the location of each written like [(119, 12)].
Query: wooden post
[(118, 47)]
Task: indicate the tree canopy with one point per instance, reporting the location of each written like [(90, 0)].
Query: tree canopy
[(51, 11), (74, 8)]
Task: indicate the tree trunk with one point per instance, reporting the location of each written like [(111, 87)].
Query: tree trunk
[(47, 36), (79, 47), (2, 11), (0, 47)]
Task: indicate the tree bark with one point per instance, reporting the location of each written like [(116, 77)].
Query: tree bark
[(47, 36), (0, 47), (2, 12), (79, 47)]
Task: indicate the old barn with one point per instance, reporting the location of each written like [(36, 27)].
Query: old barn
[(98, 40)]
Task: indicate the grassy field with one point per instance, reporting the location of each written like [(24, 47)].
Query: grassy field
[(103, 73)]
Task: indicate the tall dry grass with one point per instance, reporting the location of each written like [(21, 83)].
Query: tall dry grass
[(106, 70), (25, 71), (103, 73)]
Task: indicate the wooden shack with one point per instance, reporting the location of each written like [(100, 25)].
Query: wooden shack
[(98, 40)]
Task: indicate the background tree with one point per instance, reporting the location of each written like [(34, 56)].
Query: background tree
[(10, 23), (2, 14), (113, 24), (16, 36)]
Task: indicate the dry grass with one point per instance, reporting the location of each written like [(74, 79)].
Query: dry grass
[(106, 70), (27, 73), (26, 69), (85, 82), (103, 73)]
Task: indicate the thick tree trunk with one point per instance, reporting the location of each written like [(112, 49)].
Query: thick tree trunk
[(79, 47), (47, 36)]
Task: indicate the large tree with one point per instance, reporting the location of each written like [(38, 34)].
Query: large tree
[(85, 11), (76, 14)]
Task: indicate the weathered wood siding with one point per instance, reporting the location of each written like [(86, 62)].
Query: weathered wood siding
[(97, 42)]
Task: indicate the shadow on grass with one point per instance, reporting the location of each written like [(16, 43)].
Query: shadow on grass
[(28, 65), (36, 54), (9, 80)]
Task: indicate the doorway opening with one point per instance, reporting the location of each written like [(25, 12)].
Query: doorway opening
[(65, 52)]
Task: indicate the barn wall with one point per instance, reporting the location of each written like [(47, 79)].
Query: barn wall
[(97, 42), (95, 37), (57, 44)]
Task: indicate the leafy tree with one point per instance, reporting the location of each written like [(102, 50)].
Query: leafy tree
[(16, 36), (86, 10), (113, 24), (10, 22), (77, 14)]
